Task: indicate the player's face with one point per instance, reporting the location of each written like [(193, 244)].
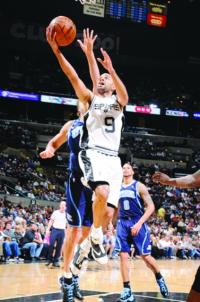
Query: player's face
[(62, 206), (127, 170), (105, 83)]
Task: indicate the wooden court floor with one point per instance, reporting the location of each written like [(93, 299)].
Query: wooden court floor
[(35, 282)]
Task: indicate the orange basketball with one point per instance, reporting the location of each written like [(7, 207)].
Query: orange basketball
[(65, 30)]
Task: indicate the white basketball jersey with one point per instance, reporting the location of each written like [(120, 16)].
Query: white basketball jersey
[(103, 125)]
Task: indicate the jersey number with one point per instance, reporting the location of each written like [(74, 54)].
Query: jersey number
[(110, 124), (126, 204)]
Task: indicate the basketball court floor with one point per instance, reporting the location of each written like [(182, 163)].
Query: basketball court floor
[(34, 282)]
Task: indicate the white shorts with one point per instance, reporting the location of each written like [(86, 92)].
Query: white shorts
[(100, 167)]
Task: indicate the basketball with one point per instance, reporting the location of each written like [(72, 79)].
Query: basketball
[(65, 30)]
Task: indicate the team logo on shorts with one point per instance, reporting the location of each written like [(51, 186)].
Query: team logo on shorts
[(69, 217), (149, 247)]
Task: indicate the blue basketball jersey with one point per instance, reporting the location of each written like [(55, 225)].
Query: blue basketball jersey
[(130, 202), (131, 209), (79, 197), (73, 143)]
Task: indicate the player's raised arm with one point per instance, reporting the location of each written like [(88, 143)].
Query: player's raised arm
[(56, 142), (82, 92), (87, 46), (188, 181), (121, 91)]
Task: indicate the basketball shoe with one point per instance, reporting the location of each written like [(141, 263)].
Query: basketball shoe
[(77, 292), (98, 251), (126, 296), (79, 258), (67, 291), (163, 287)]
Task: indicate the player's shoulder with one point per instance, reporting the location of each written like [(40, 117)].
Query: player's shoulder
[(141, 186)]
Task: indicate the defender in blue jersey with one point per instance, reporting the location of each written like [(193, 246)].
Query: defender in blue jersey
[(135, 207), (79, 201)]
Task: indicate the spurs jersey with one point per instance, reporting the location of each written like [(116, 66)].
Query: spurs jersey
[(103, 125)]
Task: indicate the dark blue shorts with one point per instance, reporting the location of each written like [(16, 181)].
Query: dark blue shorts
[(79, 203), (124, 239)]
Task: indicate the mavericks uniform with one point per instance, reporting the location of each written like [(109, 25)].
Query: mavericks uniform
[(79, 197), (131, 209), (100, 142)]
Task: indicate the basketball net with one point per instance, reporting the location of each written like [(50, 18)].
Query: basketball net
[(87, 1)]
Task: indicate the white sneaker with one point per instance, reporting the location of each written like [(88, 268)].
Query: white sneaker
[(78, 260), (98, 251)]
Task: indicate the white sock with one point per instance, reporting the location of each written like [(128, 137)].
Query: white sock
[(67, 275), (85, 246), (97, 234)]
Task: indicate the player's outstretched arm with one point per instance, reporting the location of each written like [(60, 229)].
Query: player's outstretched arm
[(119, 85), (188, 181), (87, 47), (82, 92), (56, 142)]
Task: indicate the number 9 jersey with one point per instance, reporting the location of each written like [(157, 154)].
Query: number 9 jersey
[(103, 125)]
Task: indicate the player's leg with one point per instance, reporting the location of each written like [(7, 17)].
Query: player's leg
[(73, 235), (66, 281), (194, 294), (108, 216), (123, 246), (78, 259), (143, 245), (95, 168), (85, 211), (81, 253), (85, 245), (113, 172), (99, 208), (153, 265), (115, 181)]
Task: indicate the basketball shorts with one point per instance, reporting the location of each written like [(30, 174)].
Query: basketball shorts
[(196, 283), (79, 203), (125, 240), (100, 167)]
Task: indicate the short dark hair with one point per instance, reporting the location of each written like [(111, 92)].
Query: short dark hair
[(130, 164)]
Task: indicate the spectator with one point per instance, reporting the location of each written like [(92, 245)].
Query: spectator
[(32, 242), (10, 245), (57, 225), (109, 241)]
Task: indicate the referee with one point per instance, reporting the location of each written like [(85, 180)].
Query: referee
[(56, 231)]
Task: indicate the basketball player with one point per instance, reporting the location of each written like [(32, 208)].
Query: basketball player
[(79, 201), (100, 138), (112, 204), (132, 229), (188, 181)]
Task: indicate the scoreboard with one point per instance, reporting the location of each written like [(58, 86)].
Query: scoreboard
[(153, 13), (137, 10), (133, 10)]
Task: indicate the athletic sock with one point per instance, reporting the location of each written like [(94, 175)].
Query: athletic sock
[(67, 278), (97, 234), (158, 276), (127, 284), (85, 246)]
